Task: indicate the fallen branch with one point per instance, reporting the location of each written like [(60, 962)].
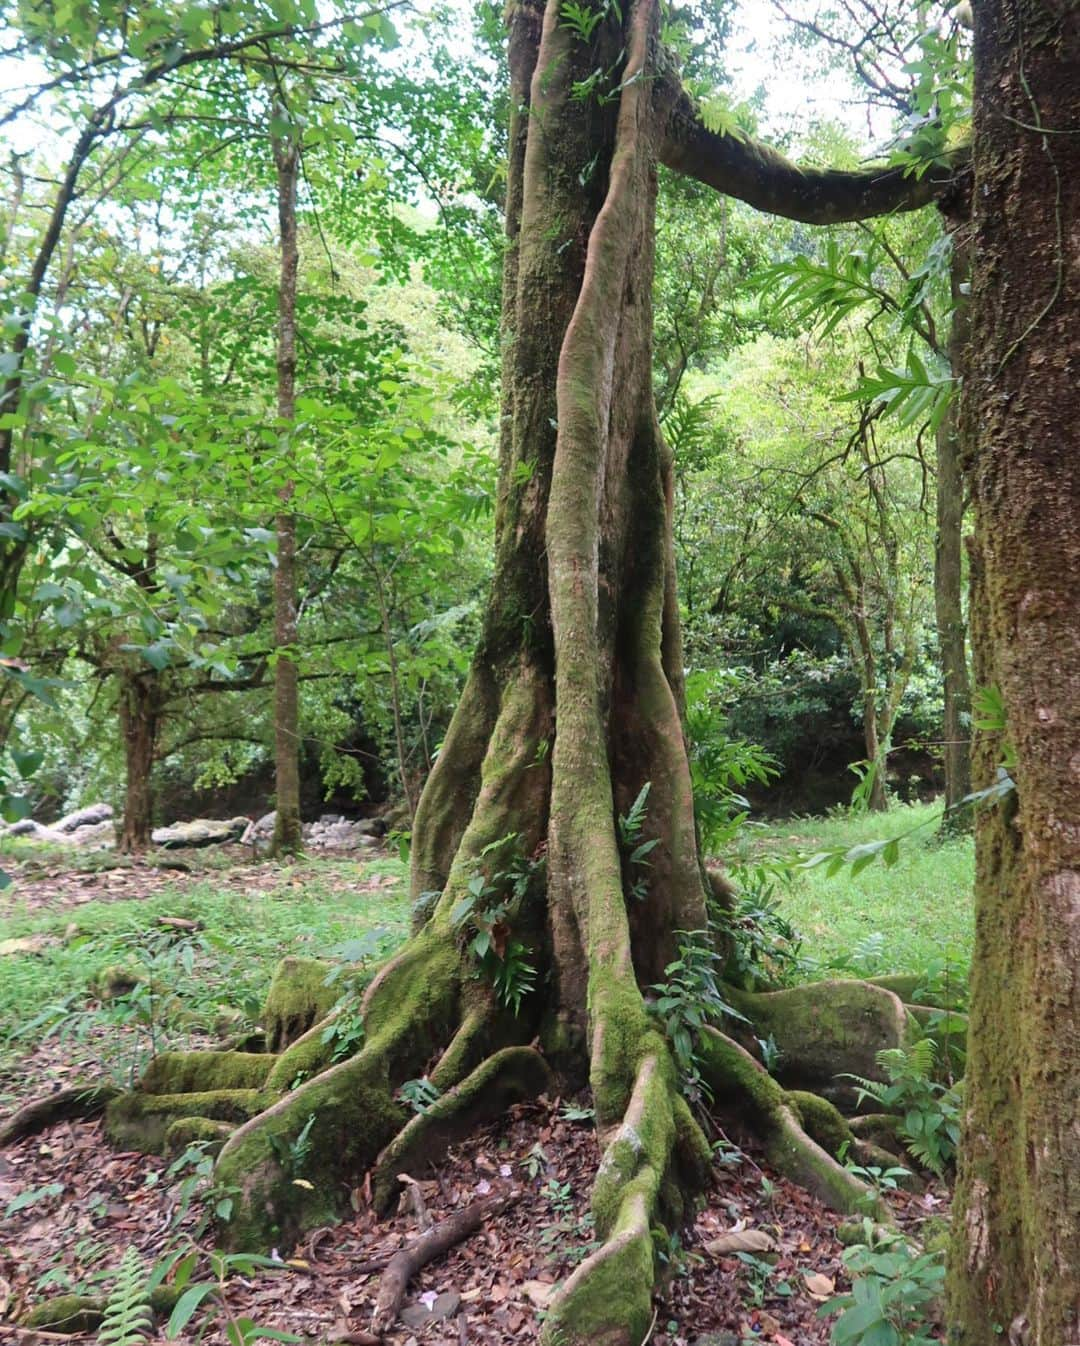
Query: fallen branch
[(66, 1105), (406, 1263)]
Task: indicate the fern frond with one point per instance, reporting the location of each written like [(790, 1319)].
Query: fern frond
[(127, 1319)]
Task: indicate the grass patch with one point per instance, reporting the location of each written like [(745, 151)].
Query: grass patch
[(309, 908), (921, 908)]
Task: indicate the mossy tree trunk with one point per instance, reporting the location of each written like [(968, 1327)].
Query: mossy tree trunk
[(1015, 1271), (573, 703)]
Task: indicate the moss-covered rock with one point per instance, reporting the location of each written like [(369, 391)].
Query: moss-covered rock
[(69, 1314)]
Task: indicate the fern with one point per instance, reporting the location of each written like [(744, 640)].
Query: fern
[(928, 1112), (127, 1313)]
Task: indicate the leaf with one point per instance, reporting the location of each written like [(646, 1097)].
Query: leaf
[(186, 1306), (741, 1241), (819, 1287)]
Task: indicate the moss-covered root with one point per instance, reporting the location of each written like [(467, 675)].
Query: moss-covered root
[(511, 1075), (292, 1165), (826, 1029), (73, 1314), (912, 989), (138, 1121), (297, 999), (827, 1127), (647, 1163), (739, 1082)]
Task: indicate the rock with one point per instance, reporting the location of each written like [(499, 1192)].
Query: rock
[(90, 816), (334, 832), (98, 836), (35, 831), (26, 827), (200, 832)]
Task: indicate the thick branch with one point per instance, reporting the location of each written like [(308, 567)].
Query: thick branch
[(762, 177)]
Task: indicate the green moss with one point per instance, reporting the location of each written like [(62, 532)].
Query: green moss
[(203, 1072), (825, 1028), (297, 999), (187, 1131), (735, 1077), (68, 1314), (139, 1121), (821, 1121), (608, 1300), (347, 1113)]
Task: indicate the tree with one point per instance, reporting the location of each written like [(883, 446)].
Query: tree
[(1016, 1259), (572, 707)]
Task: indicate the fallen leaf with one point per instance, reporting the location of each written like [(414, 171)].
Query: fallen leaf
[(741, 1241), (540, 1292), (819, 1287)]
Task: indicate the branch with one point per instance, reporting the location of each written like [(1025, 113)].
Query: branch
[(754, 172)]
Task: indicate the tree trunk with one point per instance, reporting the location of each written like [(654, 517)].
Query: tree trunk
[(1015, 1272), (140, 705), (287, 839), (952, 463), (572, 705)]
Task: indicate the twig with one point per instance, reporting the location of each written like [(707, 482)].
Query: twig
[(406, 1263)]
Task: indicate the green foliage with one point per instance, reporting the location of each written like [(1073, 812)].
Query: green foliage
[(892, 1289), (633, 851), (765, 947), (492, 902), (690, 997), (721, 765), (929, 1111), (127, 1310), (418, 1094)]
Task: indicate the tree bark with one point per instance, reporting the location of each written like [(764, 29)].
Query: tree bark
[(287, 839), (140, 705), (953, 461), (1015, 1268)]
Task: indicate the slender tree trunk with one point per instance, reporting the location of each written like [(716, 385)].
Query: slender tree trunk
[(288, 839), (140, 705), (1015, 1272), (953, 461)]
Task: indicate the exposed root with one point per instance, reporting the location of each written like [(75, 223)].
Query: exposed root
[(77, 1103), (826, 1029), (406, 1263), (71, 1315), (291, 1164), (510, 1076), (297, 999), (738, 1081), (138, 1121)]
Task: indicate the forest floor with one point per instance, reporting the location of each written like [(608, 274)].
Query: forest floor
[(70, 1206)]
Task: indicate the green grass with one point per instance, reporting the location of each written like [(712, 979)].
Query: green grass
[(307, 909), (921, 906)]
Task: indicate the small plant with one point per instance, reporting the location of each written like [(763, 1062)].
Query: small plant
[(573, 1112), (560, 1197), (892, 1288), (764, 946), (127, 1310), (32, 1197), (488, 909), (687, 1001), (179, 1266), (635, 852), (879, 1179), (581, 19), (929, 1112), (294, 1154), (770, 1053), (535, 1162), (760, 1280), (418, 1094)]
